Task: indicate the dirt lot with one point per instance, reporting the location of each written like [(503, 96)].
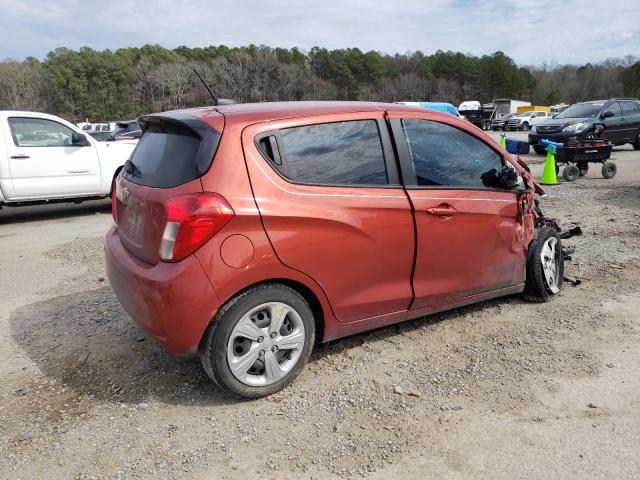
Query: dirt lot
[(500, 390)]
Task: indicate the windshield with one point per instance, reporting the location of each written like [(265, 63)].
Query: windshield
[(581, 110)]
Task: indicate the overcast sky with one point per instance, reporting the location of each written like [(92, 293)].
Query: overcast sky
[(530, 31)]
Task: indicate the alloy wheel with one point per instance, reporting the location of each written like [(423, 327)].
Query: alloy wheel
[(265, 344), (550, 258)]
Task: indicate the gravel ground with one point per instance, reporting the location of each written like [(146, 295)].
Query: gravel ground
[(502, 389)]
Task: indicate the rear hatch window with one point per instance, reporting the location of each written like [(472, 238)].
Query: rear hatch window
[(172, 151)]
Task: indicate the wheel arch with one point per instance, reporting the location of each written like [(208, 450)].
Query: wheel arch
[(115, 174), (307, 293)]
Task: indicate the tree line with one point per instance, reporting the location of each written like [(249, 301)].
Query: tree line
[(106, 85)]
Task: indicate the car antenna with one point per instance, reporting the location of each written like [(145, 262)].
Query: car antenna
[(216, 101)]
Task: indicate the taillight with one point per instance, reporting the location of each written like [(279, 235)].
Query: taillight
[(191, 221)]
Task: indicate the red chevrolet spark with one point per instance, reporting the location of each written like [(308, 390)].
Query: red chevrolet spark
[(246, 233)]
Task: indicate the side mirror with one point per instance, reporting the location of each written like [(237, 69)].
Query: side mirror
[(79, 140), (507, 178), (607, 114)]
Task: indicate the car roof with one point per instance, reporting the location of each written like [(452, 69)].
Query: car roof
[(278, 110)]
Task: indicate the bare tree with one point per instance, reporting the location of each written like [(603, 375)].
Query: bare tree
[(174, 80), (20, 86)]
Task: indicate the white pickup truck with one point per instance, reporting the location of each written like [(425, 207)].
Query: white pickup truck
[(44, 158)]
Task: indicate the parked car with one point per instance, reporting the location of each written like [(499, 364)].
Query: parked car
[(249, 232), (437, 106), (97, 127), (525, 120), (44, 158), (620, 117), (499, 123), (128, 130), (559, 108), (101, 136)]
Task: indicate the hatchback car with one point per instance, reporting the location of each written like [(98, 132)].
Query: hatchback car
[(246, 233)]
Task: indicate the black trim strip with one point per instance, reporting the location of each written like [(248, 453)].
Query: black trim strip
[(393, 176)]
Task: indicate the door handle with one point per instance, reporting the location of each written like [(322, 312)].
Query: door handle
[(442, 211), (20, 157), (78, 171)]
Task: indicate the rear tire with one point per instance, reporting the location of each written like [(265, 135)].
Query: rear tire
[(636, 144), (591, 136), (609, 169), (545, 266), (570, 173), (256, 311)]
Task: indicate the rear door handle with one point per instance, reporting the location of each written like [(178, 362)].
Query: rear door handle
[(442, 211), (20, 157)]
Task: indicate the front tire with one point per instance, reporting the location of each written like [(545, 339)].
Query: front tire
[(545, 266), (525, 127), (539, 150), (609, 169), (259, 341)]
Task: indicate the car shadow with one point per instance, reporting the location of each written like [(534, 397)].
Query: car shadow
[(53, 211), (87, 342), (405, 328)]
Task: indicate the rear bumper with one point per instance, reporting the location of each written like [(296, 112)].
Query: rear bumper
[(172, 302)]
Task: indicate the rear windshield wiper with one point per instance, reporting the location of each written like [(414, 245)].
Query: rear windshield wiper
[(131, 169)]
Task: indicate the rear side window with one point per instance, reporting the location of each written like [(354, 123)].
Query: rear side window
[(444, 156), (629, 108), (341, 153), (170, 154)]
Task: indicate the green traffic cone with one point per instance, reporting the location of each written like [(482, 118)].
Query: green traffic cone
[(549, 173), (503, 140)]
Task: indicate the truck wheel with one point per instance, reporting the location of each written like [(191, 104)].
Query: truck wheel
[(259, 341), (545, 266), (539, 150), (609, 169), (570, 173), (524, 127), (583, 168)]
